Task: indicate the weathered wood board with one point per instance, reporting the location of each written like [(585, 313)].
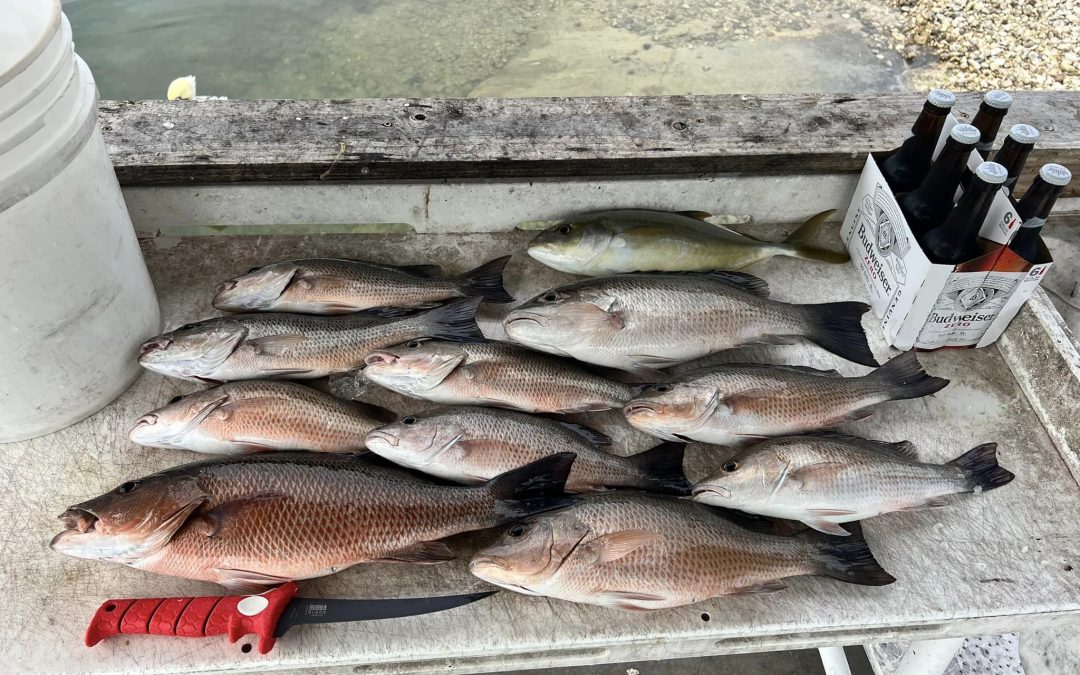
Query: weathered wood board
[(988, 563), (182, 142)]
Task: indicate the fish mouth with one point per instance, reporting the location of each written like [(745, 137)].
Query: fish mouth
[(77, 519), (225, 287), (146, 420), (154, 345), (485, 561), (380, 358), (712, 490), (384, 436), (639, 407), (516, 319)]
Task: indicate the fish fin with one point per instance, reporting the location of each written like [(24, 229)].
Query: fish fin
[(837, 328), (211, 522), (350, 385), (423, 271), (756, 589), (246, 581), (903, 377), (271, 373), (663, 468), (739, 401), (696, 215), (389, 312), (454, 321), (799, 243), (424, 552), (774, 340), (902, 449), (747, 282), (932, 503), (828, 527), (846, 559), (830, 512), (981, 468), (589, 407), (628, 600), (806, 370), (486, 281), (611, 547), (649, 362), (594, 437), (276, 345), (533, 488), (855, 416), (822, 471)]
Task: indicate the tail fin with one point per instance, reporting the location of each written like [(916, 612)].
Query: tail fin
[(454, 321), (837, 326), (799, 243), (662, 467), (486, 281), (981, 468), (846, 558), (903, 377), (533, 488), (350, 385)]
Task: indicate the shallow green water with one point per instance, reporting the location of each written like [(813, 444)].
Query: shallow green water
[(377, 48)]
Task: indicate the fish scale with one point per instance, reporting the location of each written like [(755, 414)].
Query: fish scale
[(375, 285)]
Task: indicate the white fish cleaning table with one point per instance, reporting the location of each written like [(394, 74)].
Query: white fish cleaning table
[(989, 563)]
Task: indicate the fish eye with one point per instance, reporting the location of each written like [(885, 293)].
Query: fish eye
[(516, 530), (564, 229), (253, 269), (408, 420), (730, 466), (412, 344), (127, 487), (550, 296), (176, 398), (662, 388)]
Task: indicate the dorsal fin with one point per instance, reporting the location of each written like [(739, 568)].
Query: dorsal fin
[(696, 215), (902, 449), (747, 282), (591, 435), (808, 370)]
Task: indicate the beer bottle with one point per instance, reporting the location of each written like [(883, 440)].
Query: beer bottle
[(929, 204), (992, 110), (955, 240), (1035, 207), (1014, 152), (905, 168)]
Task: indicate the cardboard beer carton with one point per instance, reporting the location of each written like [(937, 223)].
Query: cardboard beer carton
[(924, 305)]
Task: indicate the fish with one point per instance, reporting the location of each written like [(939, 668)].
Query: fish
[(491, 373), (634, 551), (829, 478), (255, 416), (294, 346), (251, 521), (337, 286), (644, 322), (738, 404), (473, 445), (638, 240)]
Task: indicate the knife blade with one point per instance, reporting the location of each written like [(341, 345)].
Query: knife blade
[(267, 615)]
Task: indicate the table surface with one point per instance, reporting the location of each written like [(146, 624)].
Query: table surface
[(1002, 558)]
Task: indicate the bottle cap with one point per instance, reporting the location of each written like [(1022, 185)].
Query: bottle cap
[(998, 99), (1055, 174), (941, 98), (966, 134), (992, 172), (1024, 133)]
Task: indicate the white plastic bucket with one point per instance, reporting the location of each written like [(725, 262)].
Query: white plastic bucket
[(75, 296)]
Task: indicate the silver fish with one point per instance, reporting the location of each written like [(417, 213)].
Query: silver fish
[(736, 404), (640, 322), (472, 445), (828, 478), (294, 346)]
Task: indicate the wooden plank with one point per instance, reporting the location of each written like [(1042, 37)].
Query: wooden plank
[(161, 142)]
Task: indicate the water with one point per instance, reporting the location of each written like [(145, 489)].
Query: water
[(378, 48)]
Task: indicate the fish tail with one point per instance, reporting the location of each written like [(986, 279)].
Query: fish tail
[(837, 327), (486, 281), (903, 377), (350, 385), (663, 468), (981, 468), (846, 558), (799, 245), (533, 488), (454, 321)]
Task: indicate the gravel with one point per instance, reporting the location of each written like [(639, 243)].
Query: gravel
[(994, 44)]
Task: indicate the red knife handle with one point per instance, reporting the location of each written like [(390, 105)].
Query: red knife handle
[(232, 615)]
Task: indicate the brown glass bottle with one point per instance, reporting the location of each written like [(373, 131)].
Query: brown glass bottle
[(995, 105), (906, 167), (955, 240), (1035, 208), (928, 205), (1014, 152)]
